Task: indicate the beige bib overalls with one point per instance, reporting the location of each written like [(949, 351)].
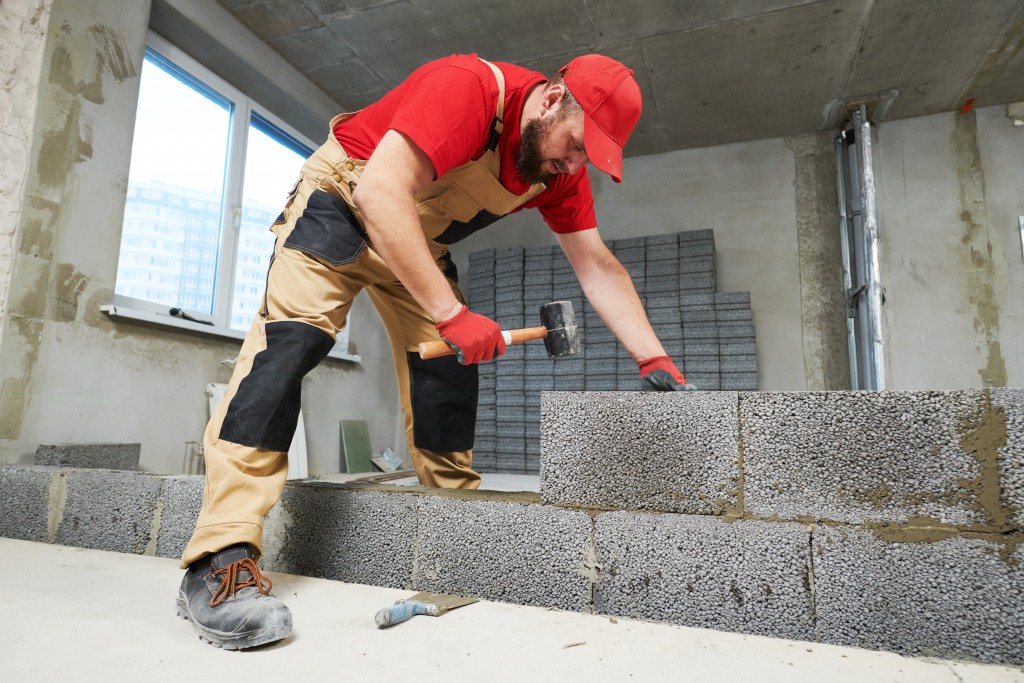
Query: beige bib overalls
[(321, 261)]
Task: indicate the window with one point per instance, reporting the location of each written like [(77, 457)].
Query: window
[(210, 171)]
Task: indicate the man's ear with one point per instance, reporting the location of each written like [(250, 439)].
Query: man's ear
[(552, 98)]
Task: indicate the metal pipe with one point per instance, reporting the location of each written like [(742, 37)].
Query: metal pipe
[(874, 294), (844, 243)]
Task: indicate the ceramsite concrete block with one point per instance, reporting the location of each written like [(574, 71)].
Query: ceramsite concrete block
[(25, 501), (109, 510), (745, 576), (858, 457), (504, 550), (1006, 420), (954, 598), (667, 451), (113, 456), (332, 532), (181, 497)]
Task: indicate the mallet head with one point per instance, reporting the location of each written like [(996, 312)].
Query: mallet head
[(562, 338)]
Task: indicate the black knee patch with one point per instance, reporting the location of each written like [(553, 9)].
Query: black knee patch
[(327, 230), (265, 409), (443, 394)]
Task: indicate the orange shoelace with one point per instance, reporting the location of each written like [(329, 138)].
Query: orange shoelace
[(230, 583)]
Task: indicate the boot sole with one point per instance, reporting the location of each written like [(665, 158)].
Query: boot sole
[(229, 641)]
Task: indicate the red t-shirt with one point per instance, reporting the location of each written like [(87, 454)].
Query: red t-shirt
[(447, 108)]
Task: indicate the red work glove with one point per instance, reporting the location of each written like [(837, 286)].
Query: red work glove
[(475, 338), (661, 374)]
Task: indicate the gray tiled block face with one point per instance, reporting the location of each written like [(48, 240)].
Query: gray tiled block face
[(505, 551), (1008, 417), (955, 598), (109, 510), (24, 496), (114, 456), (181, 498), (864, 456), (744, 576), (673, 452), (359, 537)]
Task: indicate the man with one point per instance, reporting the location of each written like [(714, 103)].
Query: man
[(460, 143)]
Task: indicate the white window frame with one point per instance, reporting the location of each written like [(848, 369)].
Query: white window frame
[(129, 309)]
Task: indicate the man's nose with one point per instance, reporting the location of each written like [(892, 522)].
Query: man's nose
[(574, 162)]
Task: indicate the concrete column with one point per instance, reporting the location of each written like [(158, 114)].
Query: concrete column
[(826, 363)]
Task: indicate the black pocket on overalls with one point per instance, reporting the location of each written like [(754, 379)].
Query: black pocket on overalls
[(327, 230), (443, 394)]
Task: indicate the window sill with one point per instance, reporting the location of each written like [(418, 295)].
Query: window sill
[(147, 319)]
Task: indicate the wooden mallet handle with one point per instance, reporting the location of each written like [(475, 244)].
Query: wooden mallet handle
[(436, 349)]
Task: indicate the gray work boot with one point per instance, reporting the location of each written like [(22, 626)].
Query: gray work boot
[(228, 601)]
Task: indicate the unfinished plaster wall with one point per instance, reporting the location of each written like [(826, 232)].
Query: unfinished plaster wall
[(23, 27), (69, 374), (952, 268)]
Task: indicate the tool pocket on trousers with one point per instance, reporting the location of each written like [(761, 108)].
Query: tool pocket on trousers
[(327, 230), (443, 394)]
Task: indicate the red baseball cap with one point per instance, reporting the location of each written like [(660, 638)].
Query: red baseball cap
[(611, 103)]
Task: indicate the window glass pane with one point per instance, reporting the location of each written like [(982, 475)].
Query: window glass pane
[(272, 163), (171, 234)]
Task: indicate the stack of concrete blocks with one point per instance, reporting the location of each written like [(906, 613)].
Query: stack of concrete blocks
[(710, 335), (889, 520)]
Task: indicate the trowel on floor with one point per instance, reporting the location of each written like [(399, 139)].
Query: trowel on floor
[(430, 604)]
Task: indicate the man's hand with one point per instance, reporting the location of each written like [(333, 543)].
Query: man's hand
[(475, 338), (661, 374)]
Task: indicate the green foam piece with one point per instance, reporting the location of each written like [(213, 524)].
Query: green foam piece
[(355, 446)]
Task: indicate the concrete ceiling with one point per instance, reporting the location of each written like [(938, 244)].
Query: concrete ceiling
[(711, 71)]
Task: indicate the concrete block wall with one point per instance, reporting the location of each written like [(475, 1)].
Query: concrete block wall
[(881, 520), (710, 335), (110, 456)]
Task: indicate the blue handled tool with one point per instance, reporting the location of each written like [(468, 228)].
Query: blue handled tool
[(430, 604)]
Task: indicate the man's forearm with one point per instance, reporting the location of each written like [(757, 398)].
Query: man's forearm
[(610, 291)]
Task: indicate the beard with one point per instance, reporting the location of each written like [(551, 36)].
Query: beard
[(529, 160)]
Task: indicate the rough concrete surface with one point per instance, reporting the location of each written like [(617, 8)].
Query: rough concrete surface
[(506, 551), (25, 502), (672, 452), (109, 510), (109, 456), (181, 497), (334, 533), (745, 576), (888, 456), (1008, 417), (955, 598)]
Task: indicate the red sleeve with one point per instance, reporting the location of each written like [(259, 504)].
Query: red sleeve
[(448, 114), (567, 205)]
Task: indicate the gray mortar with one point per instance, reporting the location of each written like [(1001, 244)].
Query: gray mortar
[(345, 535), (956, 598), (504, 551), (182, 498), (856, 457), (745, 576), (673, 452), (111, 456), (109, 510), (24, 502), (1011, 456)]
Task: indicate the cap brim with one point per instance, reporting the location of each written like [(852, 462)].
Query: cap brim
[(603, 152)]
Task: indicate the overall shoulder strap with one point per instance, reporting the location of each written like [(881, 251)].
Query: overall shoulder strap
[(499, 112)]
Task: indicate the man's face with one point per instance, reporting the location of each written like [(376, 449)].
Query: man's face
[(552, 143)]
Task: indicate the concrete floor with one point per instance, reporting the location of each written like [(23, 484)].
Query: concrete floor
[(89, 615)]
